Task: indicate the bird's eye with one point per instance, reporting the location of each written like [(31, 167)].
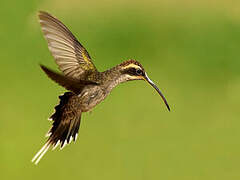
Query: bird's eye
[(139, 72)]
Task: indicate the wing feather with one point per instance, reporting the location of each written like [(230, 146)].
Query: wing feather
[(71, 57), (69, 83)]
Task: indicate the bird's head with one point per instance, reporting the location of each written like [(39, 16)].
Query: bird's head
[(133, 70)]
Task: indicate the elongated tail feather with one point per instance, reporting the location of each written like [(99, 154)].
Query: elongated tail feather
[(66, 122), (40, 153)]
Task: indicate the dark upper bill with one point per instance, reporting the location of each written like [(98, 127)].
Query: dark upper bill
[(155, 87)]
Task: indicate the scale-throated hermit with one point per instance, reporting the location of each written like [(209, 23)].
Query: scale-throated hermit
[(86, 86)]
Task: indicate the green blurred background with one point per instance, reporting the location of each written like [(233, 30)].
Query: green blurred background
[(189, 48)]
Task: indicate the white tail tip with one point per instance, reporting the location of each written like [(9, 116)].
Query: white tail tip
[(40, 153)]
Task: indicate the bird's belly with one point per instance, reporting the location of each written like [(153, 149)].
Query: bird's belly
[(90, 97)]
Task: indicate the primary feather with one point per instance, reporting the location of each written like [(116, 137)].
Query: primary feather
[(71, 57)]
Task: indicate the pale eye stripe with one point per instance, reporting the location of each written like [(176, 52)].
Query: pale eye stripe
[(132, 66)]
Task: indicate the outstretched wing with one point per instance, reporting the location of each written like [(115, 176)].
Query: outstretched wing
[(71, 57), (69, 83)]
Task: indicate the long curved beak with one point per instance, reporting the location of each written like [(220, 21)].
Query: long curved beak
[(155, 87)]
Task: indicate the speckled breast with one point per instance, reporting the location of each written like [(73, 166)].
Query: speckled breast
[(91, 96)]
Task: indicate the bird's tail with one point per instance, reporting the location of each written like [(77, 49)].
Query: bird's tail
[(66, 122)]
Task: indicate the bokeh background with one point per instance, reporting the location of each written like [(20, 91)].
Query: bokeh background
[(189, 48)]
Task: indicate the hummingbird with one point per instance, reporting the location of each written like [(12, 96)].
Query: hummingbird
[(86, 86)]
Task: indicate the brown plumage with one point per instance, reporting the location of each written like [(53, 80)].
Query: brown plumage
[(86, 84)]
